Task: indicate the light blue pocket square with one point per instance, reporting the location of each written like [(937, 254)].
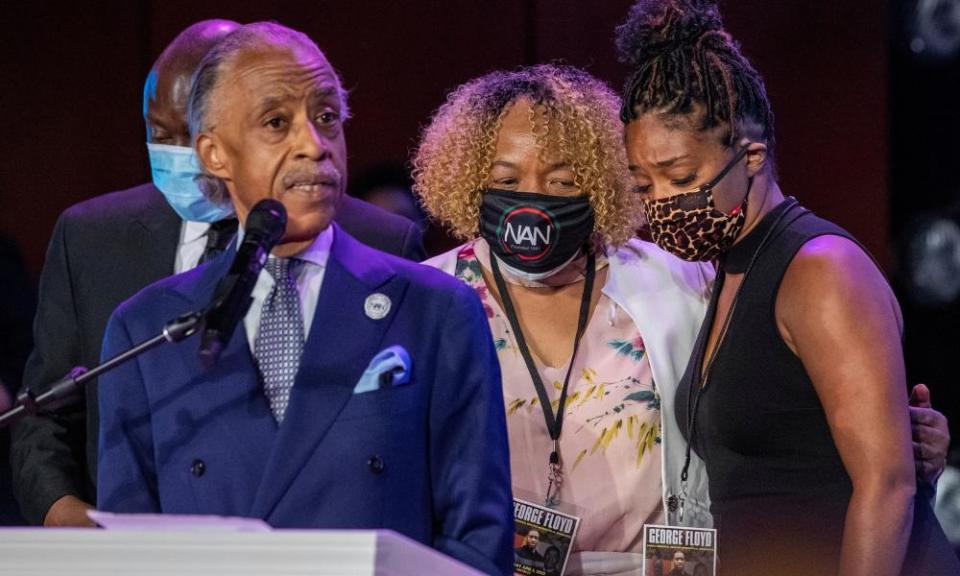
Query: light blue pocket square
[(390, 367)]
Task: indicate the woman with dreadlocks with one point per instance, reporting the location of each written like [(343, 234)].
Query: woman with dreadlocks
[(794, 396)]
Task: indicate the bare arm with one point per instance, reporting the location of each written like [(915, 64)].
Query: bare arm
[(836, 311)]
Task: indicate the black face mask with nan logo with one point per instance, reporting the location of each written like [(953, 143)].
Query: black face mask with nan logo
[(534, 233)]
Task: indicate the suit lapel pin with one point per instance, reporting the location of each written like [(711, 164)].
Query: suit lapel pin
[(376, 306)]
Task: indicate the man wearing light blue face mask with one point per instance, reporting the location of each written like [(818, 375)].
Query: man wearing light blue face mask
[(173, 169), (106, 249), (173, 165)]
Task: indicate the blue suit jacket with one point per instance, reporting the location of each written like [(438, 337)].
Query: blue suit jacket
[(428, 459)]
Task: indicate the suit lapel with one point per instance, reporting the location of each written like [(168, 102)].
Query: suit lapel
[(157, 230), (341, 342)]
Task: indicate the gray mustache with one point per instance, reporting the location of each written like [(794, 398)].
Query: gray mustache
[(322, 177)]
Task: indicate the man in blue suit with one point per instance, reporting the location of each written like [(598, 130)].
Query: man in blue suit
[(362, 391), (104, 250)]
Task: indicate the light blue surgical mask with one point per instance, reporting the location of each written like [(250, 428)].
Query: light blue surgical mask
[(174, 170)]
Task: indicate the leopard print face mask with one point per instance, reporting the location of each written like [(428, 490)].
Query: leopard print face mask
[(690, 226)]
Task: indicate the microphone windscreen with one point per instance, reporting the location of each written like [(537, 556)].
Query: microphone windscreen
[(267, 219)]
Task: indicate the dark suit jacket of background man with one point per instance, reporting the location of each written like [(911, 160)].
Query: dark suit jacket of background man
[(103, 251)]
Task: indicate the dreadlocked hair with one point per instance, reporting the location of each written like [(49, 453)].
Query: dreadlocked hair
[(684, 62)]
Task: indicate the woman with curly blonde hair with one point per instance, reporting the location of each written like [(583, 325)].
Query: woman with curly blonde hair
[(593, 327)]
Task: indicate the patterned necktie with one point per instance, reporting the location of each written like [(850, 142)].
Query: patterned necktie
[(279, 342), (219, 236)]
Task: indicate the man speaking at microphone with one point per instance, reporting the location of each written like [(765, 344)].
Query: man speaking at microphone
[(105, 249), (358, 391)]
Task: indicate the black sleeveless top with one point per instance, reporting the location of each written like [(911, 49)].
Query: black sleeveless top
[(778, 488)]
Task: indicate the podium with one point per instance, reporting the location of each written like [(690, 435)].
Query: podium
[(89, 552)]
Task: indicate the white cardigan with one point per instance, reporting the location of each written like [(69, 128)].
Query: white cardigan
[(667, 299)]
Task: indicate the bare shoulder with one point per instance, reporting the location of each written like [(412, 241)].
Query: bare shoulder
[(830, 279), (832, 263)]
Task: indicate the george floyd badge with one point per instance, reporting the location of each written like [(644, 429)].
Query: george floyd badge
[(542, 540), (678, 550)]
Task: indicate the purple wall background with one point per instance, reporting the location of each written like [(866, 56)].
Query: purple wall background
[(71, 77)]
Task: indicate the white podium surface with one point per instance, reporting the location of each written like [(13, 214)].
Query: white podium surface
[(64, 552)]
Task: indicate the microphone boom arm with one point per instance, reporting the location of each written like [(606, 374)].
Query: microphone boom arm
[(65, 390)]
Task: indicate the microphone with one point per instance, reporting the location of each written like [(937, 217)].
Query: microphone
[(265, 225)]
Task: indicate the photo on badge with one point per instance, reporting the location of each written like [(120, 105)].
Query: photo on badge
[(675, 551), (542, 539)]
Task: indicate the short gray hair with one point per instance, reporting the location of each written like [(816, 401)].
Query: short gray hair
[(248, 37)]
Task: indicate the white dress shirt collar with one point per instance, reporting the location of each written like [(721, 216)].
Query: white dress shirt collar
[(193, 241), (309, 280), (317, 252), (194, 230)]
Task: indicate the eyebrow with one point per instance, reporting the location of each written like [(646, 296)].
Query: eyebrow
[(162, 122), (661, 164), (554, 166), (671, 161), (326, 91), (271, 102)]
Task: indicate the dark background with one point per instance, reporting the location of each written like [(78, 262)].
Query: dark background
[(862, 135), (72, 77), (925, 150)]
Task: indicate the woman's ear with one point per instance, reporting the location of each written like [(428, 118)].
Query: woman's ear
[(756, 157)]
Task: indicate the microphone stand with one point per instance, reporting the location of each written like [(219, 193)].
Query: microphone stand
[(265, 226), (63, 391)]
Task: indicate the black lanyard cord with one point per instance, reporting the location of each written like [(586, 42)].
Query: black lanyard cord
[(699, 380), (554, 421)]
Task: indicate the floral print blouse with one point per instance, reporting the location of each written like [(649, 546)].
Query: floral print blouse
[(610, 444)]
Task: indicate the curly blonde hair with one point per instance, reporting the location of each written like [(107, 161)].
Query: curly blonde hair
[(577, 117)]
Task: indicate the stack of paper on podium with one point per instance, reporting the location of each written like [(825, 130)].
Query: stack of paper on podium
[(154, 545)]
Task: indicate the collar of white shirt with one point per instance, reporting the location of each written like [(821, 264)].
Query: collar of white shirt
[(193, 241), (316, 253), (309, 279), (194, 230), (319, 251)]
